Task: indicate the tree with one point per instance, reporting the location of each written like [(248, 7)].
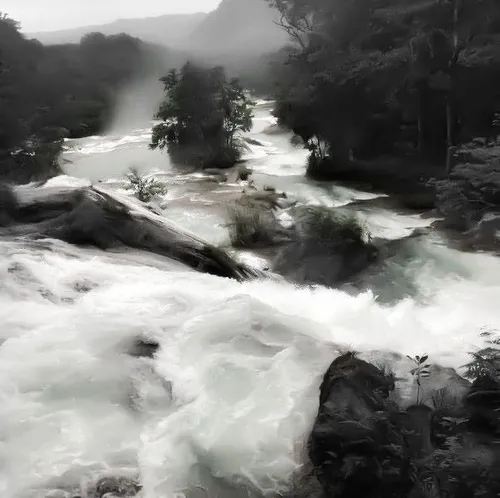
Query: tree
[(370, 77), (343, 73), (48, 93), (202, 116)]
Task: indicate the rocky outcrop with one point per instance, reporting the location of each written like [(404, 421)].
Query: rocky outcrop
[(469, 198), (90, 216), (364, 445), (326, 248), (405, 178), (8, 205), (355, 446), (469, 193), (483, 406)]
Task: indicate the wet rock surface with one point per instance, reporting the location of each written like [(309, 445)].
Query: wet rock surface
[(324, 249), (363, 444), (355, 446), (90, 216)]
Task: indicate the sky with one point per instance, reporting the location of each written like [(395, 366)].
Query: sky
[(51, 15)]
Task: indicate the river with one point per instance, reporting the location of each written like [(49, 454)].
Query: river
[(233, 390)]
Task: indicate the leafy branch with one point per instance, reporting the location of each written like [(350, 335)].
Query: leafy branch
[(486, 360), (145, 189), (420, 371)]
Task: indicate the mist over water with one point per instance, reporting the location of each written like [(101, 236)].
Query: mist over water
[(232, 393), (136, 105)]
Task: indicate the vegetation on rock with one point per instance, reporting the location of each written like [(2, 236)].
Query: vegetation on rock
[(364, 444), (252, 226), (326, 247), (145, 189)]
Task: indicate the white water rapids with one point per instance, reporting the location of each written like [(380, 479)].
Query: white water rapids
[(233, 391)]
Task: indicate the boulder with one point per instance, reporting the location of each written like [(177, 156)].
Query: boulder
[(112, 486), (355, 446), (91, 216), (142, 348), (483, 405), (218, 175), (243, 173), (470, 198), (326, 248), (8, 204)]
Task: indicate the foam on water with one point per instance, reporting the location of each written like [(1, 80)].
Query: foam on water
[(233, 390), (244, 362)]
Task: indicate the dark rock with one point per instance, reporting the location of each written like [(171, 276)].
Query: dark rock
[(116, 486), (420, 417), (325, 249), (469, 196), (218, 175), (406, 177), (252, 141), (8, 205), (483, 406), (143, 349), (355, 445), (244, 173)]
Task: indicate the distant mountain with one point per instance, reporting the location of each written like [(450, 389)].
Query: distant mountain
[(170, 30), (238, 26), (235, 28)]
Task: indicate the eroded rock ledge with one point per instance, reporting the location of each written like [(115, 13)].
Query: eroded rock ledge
[(90, 216)]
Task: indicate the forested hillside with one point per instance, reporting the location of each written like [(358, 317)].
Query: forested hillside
[(238, 27), (389, 77), (47, 93), (169, 30)]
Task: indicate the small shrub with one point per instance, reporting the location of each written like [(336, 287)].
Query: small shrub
[(145, 189), (251, 226), (420, 371), (485, 361), (329, 225)]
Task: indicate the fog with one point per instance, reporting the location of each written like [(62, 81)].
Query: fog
[(59, 14), (136, 105)]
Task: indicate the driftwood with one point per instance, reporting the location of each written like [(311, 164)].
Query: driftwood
[(90, 216)]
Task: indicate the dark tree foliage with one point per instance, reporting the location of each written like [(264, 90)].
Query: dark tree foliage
[(202, 115), (366, 78), (48, 93)]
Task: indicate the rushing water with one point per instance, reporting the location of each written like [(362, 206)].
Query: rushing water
[(233, 390)]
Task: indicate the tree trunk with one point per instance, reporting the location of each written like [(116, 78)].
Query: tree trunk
[(450, 111), (450, 133), (420, 125), (421, 118)]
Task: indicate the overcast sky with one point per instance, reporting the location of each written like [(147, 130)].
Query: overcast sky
[(49, 15)]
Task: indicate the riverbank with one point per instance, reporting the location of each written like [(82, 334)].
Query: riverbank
[(405, 178), (467, 199)]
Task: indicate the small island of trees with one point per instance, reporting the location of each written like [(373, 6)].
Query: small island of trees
[(202, 117)]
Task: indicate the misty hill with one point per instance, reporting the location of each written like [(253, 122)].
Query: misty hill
[(242, 27), (169, 30), (238, 26)]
